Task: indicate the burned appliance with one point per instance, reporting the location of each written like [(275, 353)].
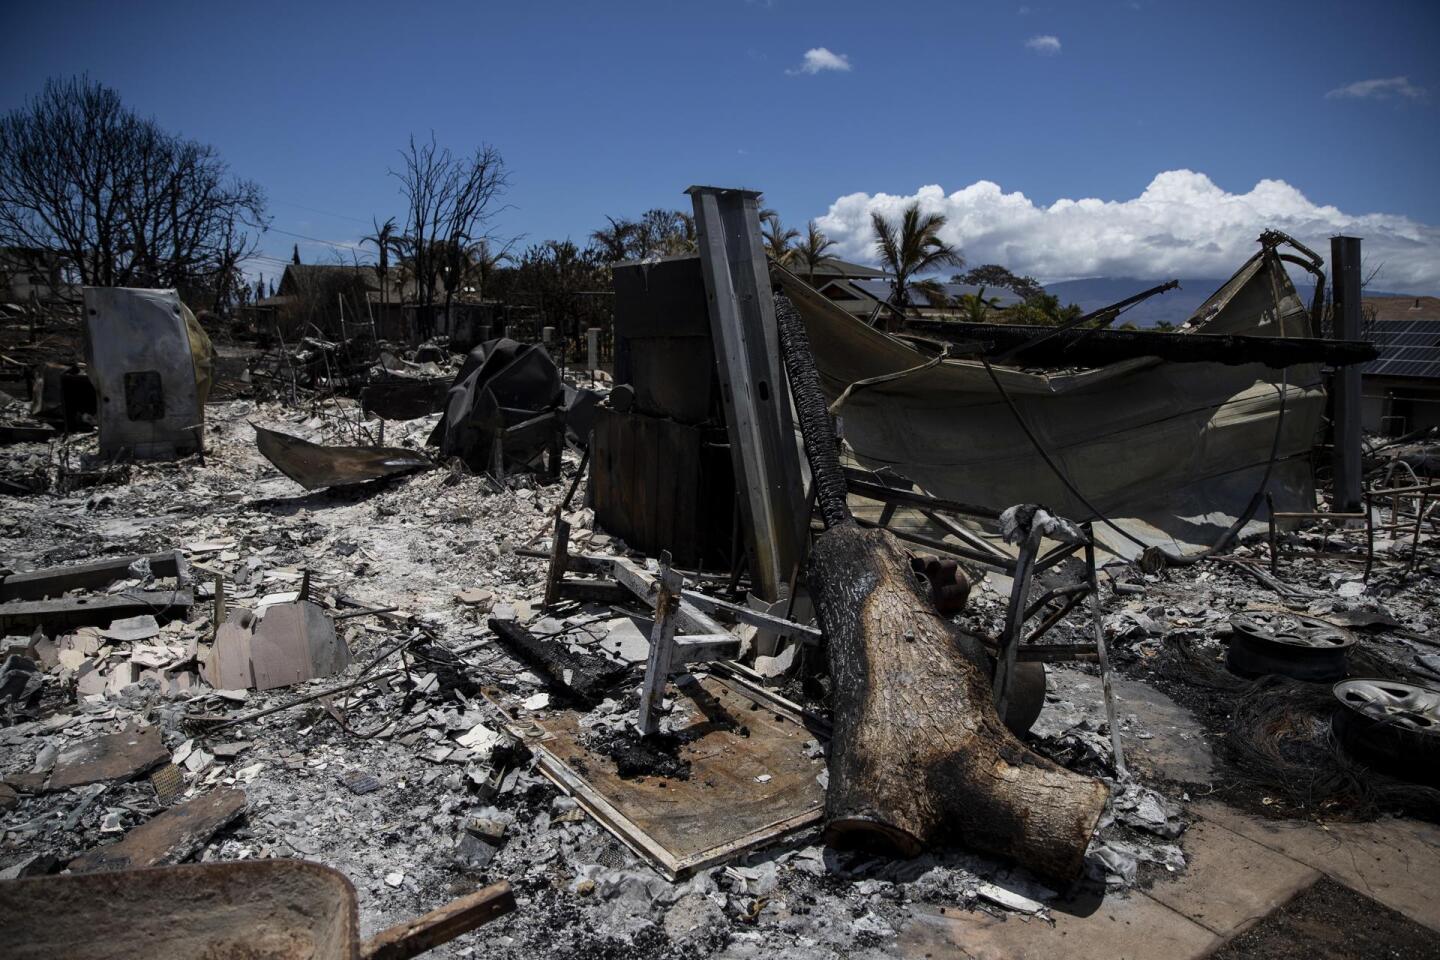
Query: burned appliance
[(141, 357)]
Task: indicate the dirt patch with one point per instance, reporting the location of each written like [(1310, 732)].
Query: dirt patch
[(1332, 922)]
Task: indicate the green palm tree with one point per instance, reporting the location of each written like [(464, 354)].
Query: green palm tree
[(976, 307), (1045, 310), (812, 250), (911, 248), (778, 239)]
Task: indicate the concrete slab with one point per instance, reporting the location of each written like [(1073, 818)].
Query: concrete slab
[(1133, 928), (1161, 738), (1231, 882), (1396, 862)]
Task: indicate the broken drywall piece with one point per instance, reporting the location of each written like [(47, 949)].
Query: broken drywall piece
[(115, 756), (295, 642), (626, 640), (227, 666), (170, 837), (481, 740), (132, 629)]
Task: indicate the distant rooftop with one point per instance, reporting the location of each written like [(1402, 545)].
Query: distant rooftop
[(1407, 333), (832, 267), (880, 290)]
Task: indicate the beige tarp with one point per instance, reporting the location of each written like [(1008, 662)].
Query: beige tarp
[(1174, 450)]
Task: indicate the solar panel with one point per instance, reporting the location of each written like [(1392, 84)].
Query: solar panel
[(1408, 348)]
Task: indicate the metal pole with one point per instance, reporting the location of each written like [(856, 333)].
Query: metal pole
[(1097, 622), (1345, 382)]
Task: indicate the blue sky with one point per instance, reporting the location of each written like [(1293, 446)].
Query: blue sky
[(613, 108)]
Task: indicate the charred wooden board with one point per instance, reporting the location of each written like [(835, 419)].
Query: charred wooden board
[(172, 836), (585, 678)]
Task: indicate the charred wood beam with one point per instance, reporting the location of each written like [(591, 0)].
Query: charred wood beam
[(582, 677), (57, 581), (67, 613), (1096, 348)]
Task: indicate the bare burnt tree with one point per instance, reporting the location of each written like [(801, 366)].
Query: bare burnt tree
[(450, 201), (118, 199)]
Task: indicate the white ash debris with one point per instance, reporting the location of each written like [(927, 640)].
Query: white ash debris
[(412, 786)]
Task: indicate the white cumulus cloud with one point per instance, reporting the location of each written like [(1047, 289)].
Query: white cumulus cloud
[(1045, 43), (818, 59), (1382, 89), (1182, 225)]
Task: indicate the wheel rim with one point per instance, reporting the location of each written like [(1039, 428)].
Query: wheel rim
[(1293, 630), (1401, 705)]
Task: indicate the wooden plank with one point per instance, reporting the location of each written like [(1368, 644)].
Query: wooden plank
[(724, 808), (56, 581), (90, 611), (704, 648), (593, 591), (414, 937), (559, 559), (660, 659), (172, 836), (643, 584), (585, 678), (756, 618), (113, 756)]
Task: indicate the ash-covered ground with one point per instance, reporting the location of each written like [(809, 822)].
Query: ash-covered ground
[(410, 787)]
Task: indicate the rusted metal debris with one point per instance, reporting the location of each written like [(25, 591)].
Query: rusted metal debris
[(314, 466)]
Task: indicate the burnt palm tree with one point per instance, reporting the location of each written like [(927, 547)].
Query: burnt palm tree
[(615, 241), (482, 263), (386, 242), (912, 248), (812, 250), (778, 239)]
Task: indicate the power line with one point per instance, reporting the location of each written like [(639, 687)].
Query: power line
[(301, 236), (327, 213)]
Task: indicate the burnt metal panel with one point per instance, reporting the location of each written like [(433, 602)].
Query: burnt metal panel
[(754, 391), (140, 360), (662, 339), (662, 485)]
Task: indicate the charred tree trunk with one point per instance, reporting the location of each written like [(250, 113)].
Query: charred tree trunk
[(919, 755)]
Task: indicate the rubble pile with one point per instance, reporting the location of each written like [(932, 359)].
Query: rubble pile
[(387, 634)]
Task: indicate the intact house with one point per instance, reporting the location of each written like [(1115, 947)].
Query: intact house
[(1400, 389), (343, 299), (864, 291)]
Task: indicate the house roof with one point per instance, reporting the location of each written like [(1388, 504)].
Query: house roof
[(1404, 308), (1407, 332), (319, 272), (831, 267)]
